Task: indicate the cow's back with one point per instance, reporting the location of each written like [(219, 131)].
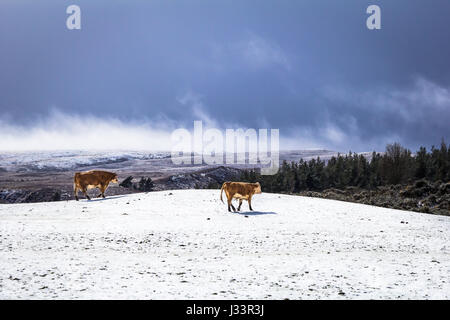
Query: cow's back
[(91, 178), (241, 189)]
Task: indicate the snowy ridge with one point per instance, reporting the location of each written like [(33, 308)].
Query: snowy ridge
[(67, 160), (184, 245), (62, 160)]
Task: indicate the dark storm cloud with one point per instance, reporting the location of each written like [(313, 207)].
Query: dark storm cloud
[(310, 68)]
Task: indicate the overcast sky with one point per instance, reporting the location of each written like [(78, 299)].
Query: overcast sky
[(310, 68)]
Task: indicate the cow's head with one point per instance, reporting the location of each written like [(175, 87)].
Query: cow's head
[(115, 179), (257, 187)]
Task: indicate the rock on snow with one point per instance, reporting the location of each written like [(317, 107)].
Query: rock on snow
[(185, 245)]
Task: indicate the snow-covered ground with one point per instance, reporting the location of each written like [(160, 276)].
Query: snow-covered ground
[(185, 245)]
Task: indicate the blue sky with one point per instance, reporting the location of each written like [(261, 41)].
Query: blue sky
[(309, 68)]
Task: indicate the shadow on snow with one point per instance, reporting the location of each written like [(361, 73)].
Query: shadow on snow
[(104, 199), (255, 213)]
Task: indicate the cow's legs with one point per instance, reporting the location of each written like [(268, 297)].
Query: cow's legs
[(75, 191), (240, 204), (250, 203), (102, 191), (230, 204), (85, 193)]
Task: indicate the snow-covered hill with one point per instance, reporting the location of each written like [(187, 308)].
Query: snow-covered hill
[(39, 161), (184, 244), (70, 160)]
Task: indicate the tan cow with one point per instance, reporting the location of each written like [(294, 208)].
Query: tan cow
[(93, 179), (240, 191)]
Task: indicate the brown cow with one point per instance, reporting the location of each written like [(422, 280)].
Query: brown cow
[(93, 179), (240, 191)]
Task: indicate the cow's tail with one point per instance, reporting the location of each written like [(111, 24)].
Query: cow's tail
[(221, 191), (75, 181)]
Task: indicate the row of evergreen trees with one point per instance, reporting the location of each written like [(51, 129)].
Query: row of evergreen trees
[(395, 166)]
